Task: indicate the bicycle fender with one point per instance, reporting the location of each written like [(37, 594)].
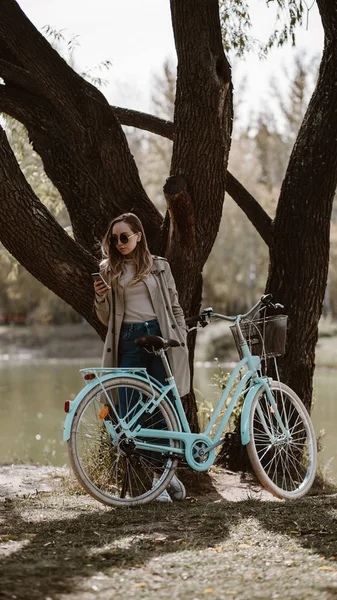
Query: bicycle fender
[(73, 404), (245, 436)]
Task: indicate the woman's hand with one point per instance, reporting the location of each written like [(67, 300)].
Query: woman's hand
[(101, 288)]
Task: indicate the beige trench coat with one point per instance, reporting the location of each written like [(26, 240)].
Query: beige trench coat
[(164, 296)]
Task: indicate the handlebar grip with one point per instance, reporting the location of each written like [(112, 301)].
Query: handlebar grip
[(266, 299), (192, 319)]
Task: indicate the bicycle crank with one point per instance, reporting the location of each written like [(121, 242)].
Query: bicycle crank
[(199, 455)]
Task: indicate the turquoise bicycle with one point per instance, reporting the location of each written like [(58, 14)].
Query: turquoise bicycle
[(129, 457)]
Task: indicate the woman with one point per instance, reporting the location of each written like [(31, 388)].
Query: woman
[(140, 298)]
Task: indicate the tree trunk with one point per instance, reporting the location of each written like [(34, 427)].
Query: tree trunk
[(299, 254), (202, 134), (73, 129), (86, 155), (33, 236)]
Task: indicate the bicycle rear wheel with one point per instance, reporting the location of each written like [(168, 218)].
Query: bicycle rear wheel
[(108, 464), (283, 460)]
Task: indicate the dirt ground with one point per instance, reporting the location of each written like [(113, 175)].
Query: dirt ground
[(22, 480), (228, 540)]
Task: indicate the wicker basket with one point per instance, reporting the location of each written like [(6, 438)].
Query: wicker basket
[(265, 337)]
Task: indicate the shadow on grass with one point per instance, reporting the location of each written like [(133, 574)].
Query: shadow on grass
[(52, 557)]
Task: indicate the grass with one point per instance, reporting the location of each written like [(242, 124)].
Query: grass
[(63, 546)]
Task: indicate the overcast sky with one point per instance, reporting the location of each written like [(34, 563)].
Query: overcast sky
[(136, 36)]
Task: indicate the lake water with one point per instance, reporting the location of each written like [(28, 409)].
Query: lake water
[(33, 394)]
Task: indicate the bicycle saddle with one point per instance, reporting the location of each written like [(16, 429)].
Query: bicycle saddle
[(155, 341)]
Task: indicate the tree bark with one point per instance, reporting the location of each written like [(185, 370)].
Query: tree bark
[(252, 209), (202, 126), (144, 121), (86, 155), (299, 255), (202, 135), (73, 129), (39, 243), (248, 204)]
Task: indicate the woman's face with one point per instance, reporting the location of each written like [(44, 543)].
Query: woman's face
[(129, 240)]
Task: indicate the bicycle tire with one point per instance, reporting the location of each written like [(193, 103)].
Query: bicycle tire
[(285, 467), (119, 475)]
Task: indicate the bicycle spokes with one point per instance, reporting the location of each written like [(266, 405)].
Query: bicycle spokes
[(105, 451), (282, 445)]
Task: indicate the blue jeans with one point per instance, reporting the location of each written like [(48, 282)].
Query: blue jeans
[(130, 355)]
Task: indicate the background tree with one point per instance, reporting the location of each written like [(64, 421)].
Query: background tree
[(152, 152)]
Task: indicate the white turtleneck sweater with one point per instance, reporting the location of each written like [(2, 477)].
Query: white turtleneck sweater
[(138, 306)]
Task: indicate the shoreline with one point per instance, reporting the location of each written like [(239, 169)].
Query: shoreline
[(79, 342)]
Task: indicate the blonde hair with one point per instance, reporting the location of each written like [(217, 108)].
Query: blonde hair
[(113, 261)]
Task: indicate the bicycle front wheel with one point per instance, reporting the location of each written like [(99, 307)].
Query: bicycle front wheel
[(108, 464), (283, 458)]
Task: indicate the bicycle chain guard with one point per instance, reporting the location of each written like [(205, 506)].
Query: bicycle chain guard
[(197, 455)]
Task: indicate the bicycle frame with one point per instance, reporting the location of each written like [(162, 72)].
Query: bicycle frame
[(251, 381), (193, 446), (127, 432)]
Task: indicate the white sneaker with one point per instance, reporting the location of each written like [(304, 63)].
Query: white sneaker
[(176, 489), (164, 496)]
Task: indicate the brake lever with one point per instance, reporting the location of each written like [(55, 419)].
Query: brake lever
[(277, 305), (201, 325), (202, 321)]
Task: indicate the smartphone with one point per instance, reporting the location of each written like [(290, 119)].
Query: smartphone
[(98, 277)]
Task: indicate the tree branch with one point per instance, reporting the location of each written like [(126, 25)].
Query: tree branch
[(45, 249), (140, 120), (182, 223), (328, 14), (22, 105), (21, 78), (23, 45), (11, 102), (252, 209), (76, 133)]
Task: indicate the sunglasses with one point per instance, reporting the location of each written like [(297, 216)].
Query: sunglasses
[(123, 238)]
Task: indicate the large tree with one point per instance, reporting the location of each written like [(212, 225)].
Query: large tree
[(299, 252), (85, 154), (298, 238)]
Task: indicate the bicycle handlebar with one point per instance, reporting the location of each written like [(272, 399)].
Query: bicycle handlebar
[(207, 313)]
